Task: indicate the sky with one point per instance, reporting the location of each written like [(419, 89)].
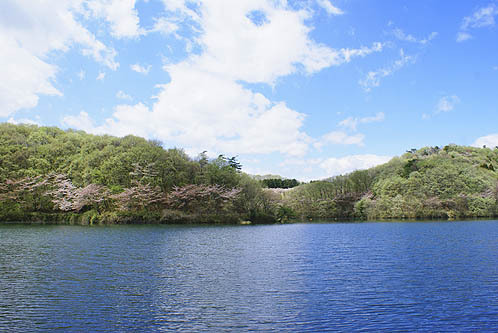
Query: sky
[(305, 89)]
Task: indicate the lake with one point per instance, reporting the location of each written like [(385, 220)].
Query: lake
[(383, 276)]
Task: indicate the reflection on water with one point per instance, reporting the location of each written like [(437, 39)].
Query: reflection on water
[(439, 276)]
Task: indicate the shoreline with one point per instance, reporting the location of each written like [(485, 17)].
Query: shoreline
[(157, 218)]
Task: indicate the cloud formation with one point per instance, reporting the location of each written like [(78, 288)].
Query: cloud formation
[(340, 137), (164, 26), (401, 35), (100, 76), (337, 166), (141, 69), (343, 138), (352, 122), (30, 30), (329, 8), (207, 104), (447, 103), (373, 78), (482, 17), (121, 16), (321, 168), (122, 95), (490, 141)]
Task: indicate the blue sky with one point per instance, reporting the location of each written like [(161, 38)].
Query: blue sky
[(305, 89)]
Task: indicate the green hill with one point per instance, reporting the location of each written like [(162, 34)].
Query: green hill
[(59, 176), (48, 174), (451, 182)]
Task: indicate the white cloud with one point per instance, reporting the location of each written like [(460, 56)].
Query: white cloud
[(127, 119), (206, 105), (29, 32), (401, 35), (329, 8), (463, 36), (337, 166), (240, 122), (379, 116), (81, 74), (120, 14), (482, 17), (164, 26), (24, 77), (488, 141), (300, 162), (447, 103), (300, 168), (23, 121), (40, 27), (100, 76), (141, 69), (348, 54), (320, 168), (352, 123), (373, 78), (99, 51), (122, 95), (339, 137), (237, 48), (82, 122)]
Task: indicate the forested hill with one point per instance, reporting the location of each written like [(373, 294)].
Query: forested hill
[(432, 182), (47, 174), (28, 151)]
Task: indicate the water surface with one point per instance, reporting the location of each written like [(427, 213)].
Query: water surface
[(433, 276)]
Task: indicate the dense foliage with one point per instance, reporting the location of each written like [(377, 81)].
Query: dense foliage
[(48, 173), (453, 182), (279, 183), (53, 175)]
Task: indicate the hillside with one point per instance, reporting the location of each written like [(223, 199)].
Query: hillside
[(50, 174), (47, 174), (451, 182)]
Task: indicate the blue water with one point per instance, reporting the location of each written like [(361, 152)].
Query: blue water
[(432, 276)]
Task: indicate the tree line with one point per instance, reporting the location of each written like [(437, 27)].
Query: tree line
[(279, 183), (48, 174), (431, 182)]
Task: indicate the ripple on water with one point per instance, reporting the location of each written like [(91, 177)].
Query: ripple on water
[(436, 276)]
